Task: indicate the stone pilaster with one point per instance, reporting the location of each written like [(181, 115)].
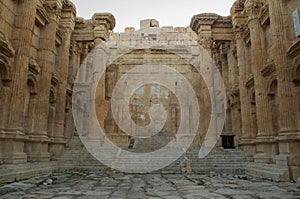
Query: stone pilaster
[(265, 145), (46, 60), (248, 137), (223, 54), (67, 24), (234, 93), (13, 148)]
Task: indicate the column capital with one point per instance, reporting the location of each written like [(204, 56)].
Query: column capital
[(252, 8), (68, 16), (206, 42), (53, 8), (239, 30)]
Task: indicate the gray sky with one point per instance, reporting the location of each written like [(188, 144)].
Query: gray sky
[(128, 13)]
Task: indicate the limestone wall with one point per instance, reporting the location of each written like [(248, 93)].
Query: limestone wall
[(257, 50)]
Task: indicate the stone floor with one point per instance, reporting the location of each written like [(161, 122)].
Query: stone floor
[(119, 185)]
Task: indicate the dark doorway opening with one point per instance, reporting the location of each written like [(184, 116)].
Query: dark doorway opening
[(228, 141)]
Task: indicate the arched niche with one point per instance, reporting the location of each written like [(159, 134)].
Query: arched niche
[(253, 112), (30, 103), (273, 104), (52, 110)]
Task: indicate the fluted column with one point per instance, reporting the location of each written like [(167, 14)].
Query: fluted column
[(46, 59), (247, 138), (13, 149), (67, 25), (234, 92), (264, 138)]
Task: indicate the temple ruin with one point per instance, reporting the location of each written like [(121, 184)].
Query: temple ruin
[(256, 49)]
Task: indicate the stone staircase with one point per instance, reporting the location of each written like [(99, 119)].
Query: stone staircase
[(220, 161)]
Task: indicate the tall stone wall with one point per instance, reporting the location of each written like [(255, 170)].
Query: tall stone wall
[(38, 60), (257, 51)]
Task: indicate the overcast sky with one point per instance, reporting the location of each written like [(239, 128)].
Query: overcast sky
[(128, 13)]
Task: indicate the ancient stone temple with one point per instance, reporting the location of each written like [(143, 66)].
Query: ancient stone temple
[(256, 50)]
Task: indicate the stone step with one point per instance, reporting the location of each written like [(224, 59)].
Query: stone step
[(268, 171), (219, 160)]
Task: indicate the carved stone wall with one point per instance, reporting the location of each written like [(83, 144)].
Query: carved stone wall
[(258, 58), (256, 49)]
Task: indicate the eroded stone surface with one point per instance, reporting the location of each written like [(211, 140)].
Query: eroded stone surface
[(119, 185)]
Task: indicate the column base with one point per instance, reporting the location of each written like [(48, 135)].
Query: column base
[(13, 146), (36, 147), (289, 149), (14, 158), (267, 149), (249, 148), (56, 146), (263, 158)]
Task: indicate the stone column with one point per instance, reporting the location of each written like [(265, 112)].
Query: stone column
[(13, 149), (46, 59), (225, 75), (67, 25), (234, 92), (289, 122), (248, 138), (265, 146)]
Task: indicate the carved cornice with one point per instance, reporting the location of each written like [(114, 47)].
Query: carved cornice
[(237, 7), (5, 46), (106, 19), (68, 17), (42, 17), (203, 19), (294, 50), (268, 69), (264, 16), (33, 66), (69, 6), (54, 80), (247, 38), (58, 37), (250, 81)]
